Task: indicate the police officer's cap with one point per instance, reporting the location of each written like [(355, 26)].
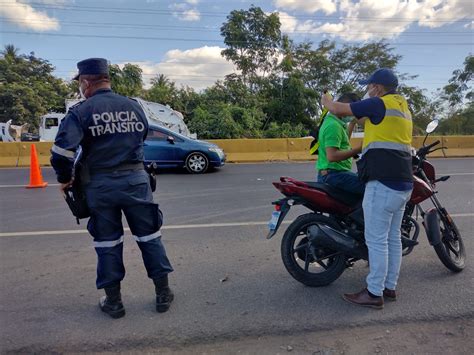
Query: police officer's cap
[(92, 66), (382, 76)]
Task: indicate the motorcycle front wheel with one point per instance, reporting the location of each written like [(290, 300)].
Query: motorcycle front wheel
[(311, 266), (451, 250)]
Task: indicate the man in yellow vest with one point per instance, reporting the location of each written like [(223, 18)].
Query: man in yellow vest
[(386, 167)]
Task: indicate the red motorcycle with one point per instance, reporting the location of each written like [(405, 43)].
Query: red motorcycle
[(318, 246)]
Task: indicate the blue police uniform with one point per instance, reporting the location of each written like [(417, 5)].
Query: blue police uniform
[(110, 129)]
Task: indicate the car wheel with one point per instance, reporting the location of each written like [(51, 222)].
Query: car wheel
[(197, 163)]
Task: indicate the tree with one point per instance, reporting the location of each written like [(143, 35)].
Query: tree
[(28, 88), (253, 41), (127, 81), (162, 91), (460, 85)]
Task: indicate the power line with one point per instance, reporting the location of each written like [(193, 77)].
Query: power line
[(213, 14), (215, 63), (213, 30), (203, 39)]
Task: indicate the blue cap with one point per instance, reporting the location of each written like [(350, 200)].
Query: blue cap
[(383, 76), (92, 66)]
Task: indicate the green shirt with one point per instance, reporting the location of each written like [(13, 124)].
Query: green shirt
[(333, 133)]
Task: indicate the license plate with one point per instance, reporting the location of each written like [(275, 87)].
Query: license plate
[(272, 224)]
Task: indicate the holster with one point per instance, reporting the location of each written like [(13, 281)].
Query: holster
[(75, 196)]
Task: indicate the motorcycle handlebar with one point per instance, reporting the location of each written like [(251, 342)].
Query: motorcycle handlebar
[(425, 150), (433, 144)]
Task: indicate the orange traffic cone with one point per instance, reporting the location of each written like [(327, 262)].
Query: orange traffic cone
[(36, 179)]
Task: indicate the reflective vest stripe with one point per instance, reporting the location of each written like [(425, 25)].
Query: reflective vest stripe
[(109, 243), (63, 152), (147, 238), (387, 145), (397, 113)]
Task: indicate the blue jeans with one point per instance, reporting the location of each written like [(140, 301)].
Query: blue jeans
[(383, 214), (343, 180)]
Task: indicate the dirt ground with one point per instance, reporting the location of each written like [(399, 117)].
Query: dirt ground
[(434, 337)]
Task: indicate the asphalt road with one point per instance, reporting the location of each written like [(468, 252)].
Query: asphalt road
[(214, 230)]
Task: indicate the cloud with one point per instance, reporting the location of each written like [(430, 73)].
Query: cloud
[(375, 19), (469, 25), (309, 6), (25, 16), (198, 67), (183, 12), (190, 15)]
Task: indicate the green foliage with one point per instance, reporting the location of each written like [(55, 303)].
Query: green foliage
[(252, 39), (126, 81), (162, 90), (28, 89), (285, 130), (460, 85)]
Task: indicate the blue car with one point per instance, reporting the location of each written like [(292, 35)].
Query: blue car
[(169, 149)]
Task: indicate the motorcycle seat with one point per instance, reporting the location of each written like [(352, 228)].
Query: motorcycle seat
[(345, 197)]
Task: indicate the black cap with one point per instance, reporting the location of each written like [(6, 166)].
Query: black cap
[(92, 66), (382, 76)]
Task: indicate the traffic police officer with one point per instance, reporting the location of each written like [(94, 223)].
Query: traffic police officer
[(111, 129)]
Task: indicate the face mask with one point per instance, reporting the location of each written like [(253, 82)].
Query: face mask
[(372, 92), (82, 93), (83, 97)]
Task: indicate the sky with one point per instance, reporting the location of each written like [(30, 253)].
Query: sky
[(181, 38)]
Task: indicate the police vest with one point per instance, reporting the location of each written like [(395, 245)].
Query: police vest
[(386, 149)]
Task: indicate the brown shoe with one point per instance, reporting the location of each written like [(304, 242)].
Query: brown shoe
[(389, 295), (363, 298)]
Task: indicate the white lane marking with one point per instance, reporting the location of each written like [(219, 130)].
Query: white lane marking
[(229, 188), (171, 227)]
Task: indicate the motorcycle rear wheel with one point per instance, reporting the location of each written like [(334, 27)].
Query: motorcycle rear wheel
[(451, 250), (294, 250)]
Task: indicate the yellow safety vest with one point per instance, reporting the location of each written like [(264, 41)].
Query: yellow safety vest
[(396, 127), (386, 148)]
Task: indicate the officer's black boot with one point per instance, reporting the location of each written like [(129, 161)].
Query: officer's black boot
[(111, 303), (164, 295)]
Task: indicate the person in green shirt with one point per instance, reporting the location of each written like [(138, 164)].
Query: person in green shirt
[(335, 153)]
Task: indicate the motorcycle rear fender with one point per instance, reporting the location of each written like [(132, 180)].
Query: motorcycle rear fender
[(432, 227), (285, 206)]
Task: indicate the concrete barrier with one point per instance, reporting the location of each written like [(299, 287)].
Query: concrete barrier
[(9, 153), (246, 150), (459, 146), (42, 149), (254, 150)]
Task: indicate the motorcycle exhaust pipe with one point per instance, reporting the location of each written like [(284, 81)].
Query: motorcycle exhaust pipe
[(326, 237)]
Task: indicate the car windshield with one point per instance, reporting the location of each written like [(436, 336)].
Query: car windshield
[(167, 131)]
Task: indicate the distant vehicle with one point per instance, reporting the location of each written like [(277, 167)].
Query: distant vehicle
[(173, 150), (159, 114), (49, 126)]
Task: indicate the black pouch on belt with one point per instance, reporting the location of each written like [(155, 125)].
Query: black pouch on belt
[(76, 200), (74, 195), (151, 171)]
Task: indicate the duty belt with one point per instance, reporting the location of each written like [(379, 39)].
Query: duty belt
[(121, 167)]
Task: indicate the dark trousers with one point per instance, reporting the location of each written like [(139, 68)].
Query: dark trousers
[(343, 180), (108, 195)]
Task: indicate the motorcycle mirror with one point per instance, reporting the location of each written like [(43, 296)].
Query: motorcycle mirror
[(432, 126)]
